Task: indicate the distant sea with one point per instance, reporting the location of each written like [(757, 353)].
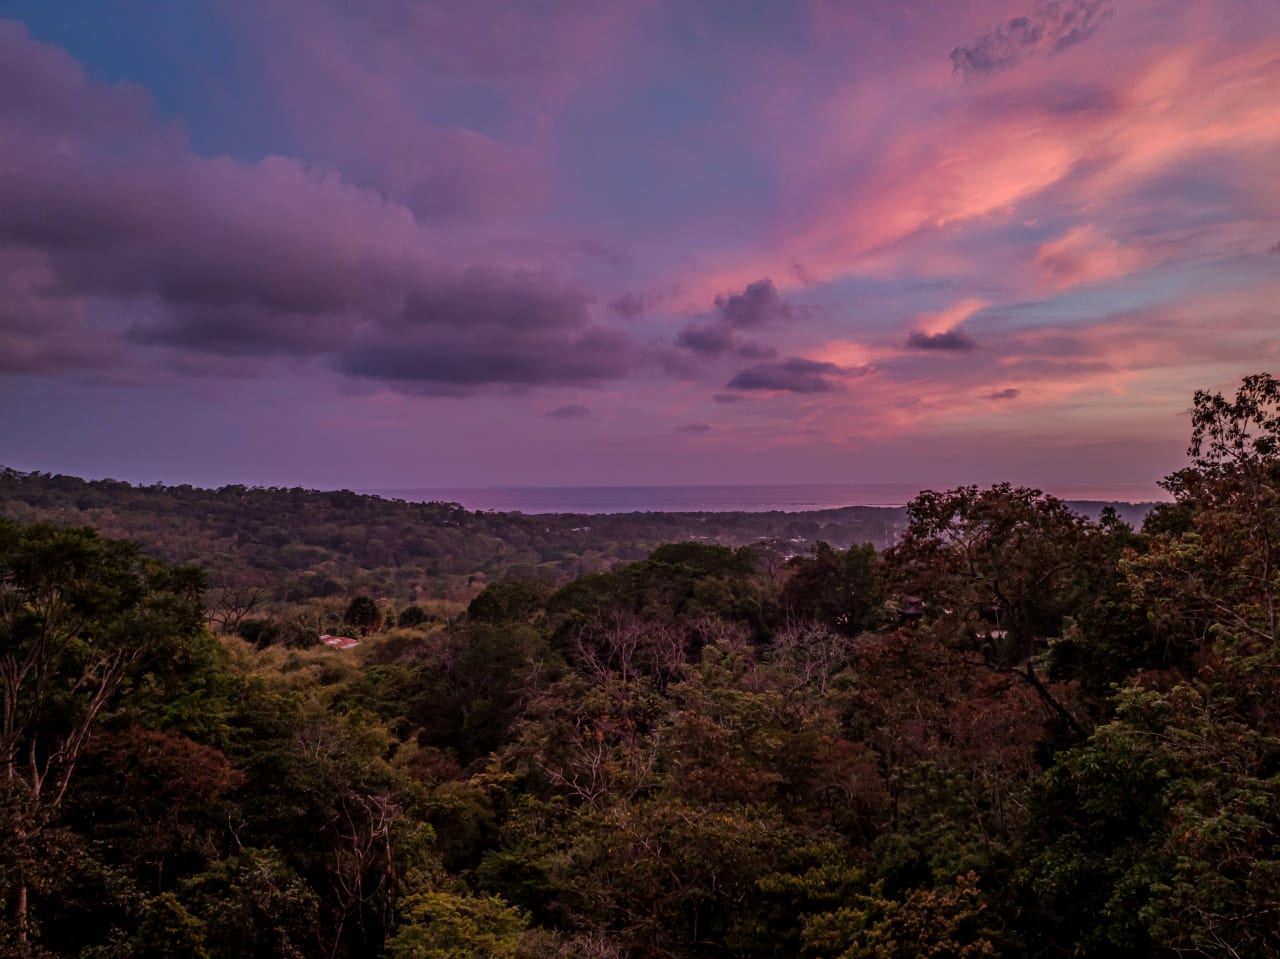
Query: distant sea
[(714, 499)]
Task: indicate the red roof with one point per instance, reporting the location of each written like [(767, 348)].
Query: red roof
[(339, 642)]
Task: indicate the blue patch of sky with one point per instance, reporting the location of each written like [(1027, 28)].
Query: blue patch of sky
[(1168, 285), (647, 146), (187, 56), (860, 306), (645, 168)]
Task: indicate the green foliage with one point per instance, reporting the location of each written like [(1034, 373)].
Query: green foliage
[(363, 613), (411, 616), (511, 601), (253, 905), (445, 925), (88, 628), (705, 752), (840, 590), (312, 544), (168, 931), (927, 924)]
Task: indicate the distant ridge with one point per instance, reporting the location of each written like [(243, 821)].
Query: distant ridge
[(713, 498)]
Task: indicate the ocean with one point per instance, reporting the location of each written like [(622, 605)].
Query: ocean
[(762, 498)]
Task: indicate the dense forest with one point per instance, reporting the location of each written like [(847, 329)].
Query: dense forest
[(987, 725)]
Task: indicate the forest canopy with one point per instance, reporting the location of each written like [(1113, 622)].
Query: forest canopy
[(994, 725)]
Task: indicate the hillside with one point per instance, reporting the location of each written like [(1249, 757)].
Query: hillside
[(313, 543)]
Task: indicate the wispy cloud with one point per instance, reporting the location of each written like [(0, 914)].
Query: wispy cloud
[(1053, 26)]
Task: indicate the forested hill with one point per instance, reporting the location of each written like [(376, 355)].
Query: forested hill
[(322, 542), (1018, 732)]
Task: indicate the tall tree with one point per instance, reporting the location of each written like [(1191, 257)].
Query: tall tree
[(996, 568), (79, 616), (1219, 566)]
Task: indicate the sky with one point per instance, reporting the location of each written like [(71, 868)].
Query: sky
[(416, 243)]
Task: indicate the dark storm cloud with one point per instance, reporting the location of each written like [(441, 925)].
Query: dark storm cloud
[(693, 428), (1009, 393), (105, 213), (1053, 26), (953, 340), (794, 375), (570, 411)]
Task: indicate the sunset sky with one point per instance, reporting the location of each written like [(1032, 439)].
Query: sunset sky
[(402, 243)]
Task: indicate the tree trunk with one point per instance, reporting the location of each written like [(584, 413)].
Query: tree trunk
[(20, 912)]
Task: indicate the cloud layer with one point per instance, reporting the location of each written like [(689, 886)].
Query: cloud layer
[(106, 215), (837, 230)]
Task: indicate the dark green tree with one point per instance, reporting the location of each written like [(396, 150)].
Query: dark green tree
[(996, 568), (838, 588), (80, 618), (510, 601), (363, 613), (411, 616)]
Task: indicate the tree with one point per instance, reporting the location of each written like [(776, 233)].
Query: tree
[(253, 905), (1217, 567), (156, 801), (233, 595), (996, 568), (363, 613), (933, 923), (411, 616), (445, 925), (510, 601), (80, 616), (838, 589)]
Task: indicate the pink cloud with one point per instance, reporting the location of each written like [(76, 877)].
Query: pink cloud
[(1085, 255), (905, 162)]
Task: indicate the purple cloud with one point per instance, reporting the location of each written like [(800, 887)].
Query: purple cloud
[(753, 350), (105, 213), (449, 360), (953, 340), (1054, 26), (1009, 393), (694, 428), (602, 250), (704, 338), (794, 375), (570, 411), (758, 305), (628, 306)]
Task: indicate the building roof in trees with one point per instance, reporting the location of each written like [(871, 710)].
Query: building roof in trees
[(339, 642)]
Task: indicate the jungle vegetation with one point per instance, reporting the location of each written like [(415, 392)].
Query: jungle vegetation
[(1015, 730)]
